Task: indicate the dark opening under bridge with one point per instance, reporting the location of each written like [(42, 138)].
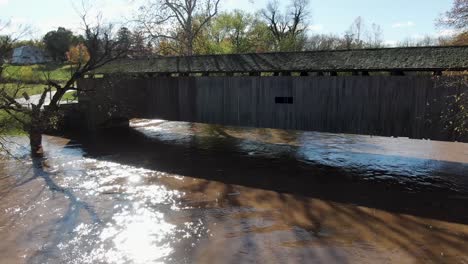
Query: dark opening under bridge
[(401, 92)]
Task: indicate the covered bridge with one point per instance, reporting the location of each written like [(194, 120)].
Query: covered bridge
[(387, 92), (395, 60)]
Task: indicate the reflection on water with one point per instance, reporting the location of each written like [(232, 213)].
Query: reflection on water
[(133, 231), (173, 192), (373, 158)]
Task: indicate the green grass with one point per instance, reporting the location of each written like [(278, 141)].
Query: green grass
[(36, 73), (10, 126), (71, 96), (29, 79), (30, 89)]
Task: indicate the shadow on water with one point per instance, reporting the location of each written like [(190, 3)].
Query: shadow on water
[(244, 197), (66, 224), (219, 159)]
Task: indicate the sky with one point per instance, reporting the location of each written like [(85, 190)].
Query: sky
[(399, 19)]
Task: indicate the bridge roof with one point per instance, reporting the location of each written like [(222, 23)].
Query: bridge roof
[(386, 59)]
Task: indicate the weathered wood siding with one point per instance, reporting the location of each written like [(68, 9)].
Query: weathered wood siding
[(400, 106)]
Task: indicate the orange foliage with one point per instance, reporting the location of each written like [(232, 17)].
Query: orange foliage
[(461, 39), (167, 48), (78, 54)]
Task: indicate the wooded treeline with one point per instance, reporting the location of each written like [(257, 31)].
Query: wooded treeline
[(176, 27)]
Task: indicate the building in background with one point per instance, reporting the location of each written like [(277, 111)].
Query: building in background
[(29, 55)]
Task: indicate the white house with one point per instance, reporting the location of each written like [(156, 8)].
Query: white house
[(29, 55)]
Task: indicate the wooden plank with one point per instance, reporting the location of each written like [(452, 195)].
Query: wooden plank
[(405, 106)]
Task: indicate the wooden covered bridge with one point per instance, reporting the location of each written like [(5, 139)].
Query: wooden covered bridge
[(401, 92)]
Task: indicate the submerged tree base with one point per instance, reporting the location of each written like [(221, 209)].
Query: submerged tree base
[(35, 141)]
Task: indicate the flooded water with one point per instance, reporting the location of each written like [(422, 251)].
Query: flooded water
[(173, 192)]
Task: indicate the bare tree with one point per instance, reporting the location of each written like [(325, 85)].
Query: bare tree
[(323, 42), (7, 39), (457, 20), (353, 37), (288, 28), (357, 29), (359, 36), (6, 44), (419, 42), (348, 40), (375, 37), (35, 117), (457, 17), (177, 20)]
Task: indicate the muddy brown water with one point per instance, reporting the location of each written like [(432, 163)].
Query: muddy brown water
[(173, 192)]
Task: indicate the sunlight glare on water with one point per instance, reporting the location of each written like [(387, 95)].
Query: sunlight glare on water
[(136, 235), (175, 192), (137, 231)]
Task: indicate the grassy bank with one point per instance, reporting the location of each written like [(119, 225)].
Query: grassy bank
[(71, 96), (30, 89), (10, 126), (30, 79), (36, 73)]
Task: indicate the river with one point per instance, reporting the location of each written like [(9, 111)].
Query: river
[(174, 192)]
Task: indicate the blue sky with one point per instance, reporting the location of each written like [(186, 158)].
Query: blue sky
[(399, 19)]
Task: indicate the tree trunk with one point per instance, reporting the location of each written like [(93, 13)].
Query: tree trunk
[(35, 141), (189, 47)]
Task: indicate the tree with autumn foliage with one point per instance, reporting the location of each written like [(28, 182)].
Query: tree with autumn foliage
[(78, 54)]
